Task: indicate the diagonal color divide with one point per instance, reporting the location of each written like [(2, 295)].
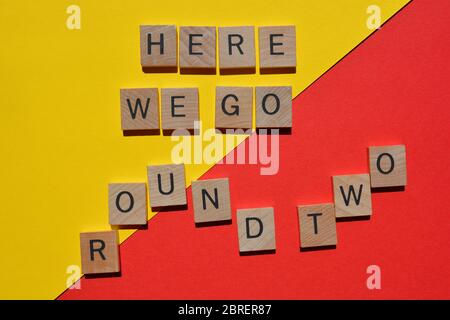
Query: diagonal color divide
[(210, 174), (374, 99), (63, 136)]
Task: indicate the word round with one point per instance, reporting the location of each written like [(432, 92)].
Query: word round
[(256, 227)]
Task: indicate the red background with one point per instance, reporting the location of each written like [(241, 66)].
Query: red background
[(392, 89)]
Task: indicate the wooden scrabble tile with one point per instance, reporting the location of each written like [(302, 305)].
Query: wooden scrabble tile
[(179, 108), (158, 46), (127, 204), (352, 195), (211, 200), (99, 252), (237, 48), (277, 49), (387, 166), (167, 185), (273, 107), (197, 47), (256, 229), (317, 225), (234, 107), (139, 109)]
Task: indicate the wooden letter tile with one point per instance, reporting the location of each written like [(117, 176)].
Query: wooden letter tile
[(99, 252), (234, 107), (256, 229), (387, 166), (352, 195), (317, 225), (277, 49), (139, 109), (197, 48), (273, 107), (167, 185), (179, 108), (237, 49), (211, 200), (159, 48), (127, 204)]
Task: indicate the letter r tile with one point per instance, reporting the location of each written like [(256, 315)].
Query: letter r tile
[(99, 252), (237, 49)]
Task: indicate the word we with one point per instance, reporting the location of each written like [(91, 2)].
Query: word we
[(197, 49), (256, 227)]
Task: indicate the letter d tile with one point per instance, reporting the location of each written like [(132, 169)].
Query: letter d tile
[(256, 229)]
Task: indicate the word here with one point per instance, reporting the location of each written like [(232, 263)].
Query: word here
[(237, 51)]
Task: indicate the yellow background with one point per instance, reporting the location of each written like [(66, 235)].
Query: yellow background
[(60, 137)]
